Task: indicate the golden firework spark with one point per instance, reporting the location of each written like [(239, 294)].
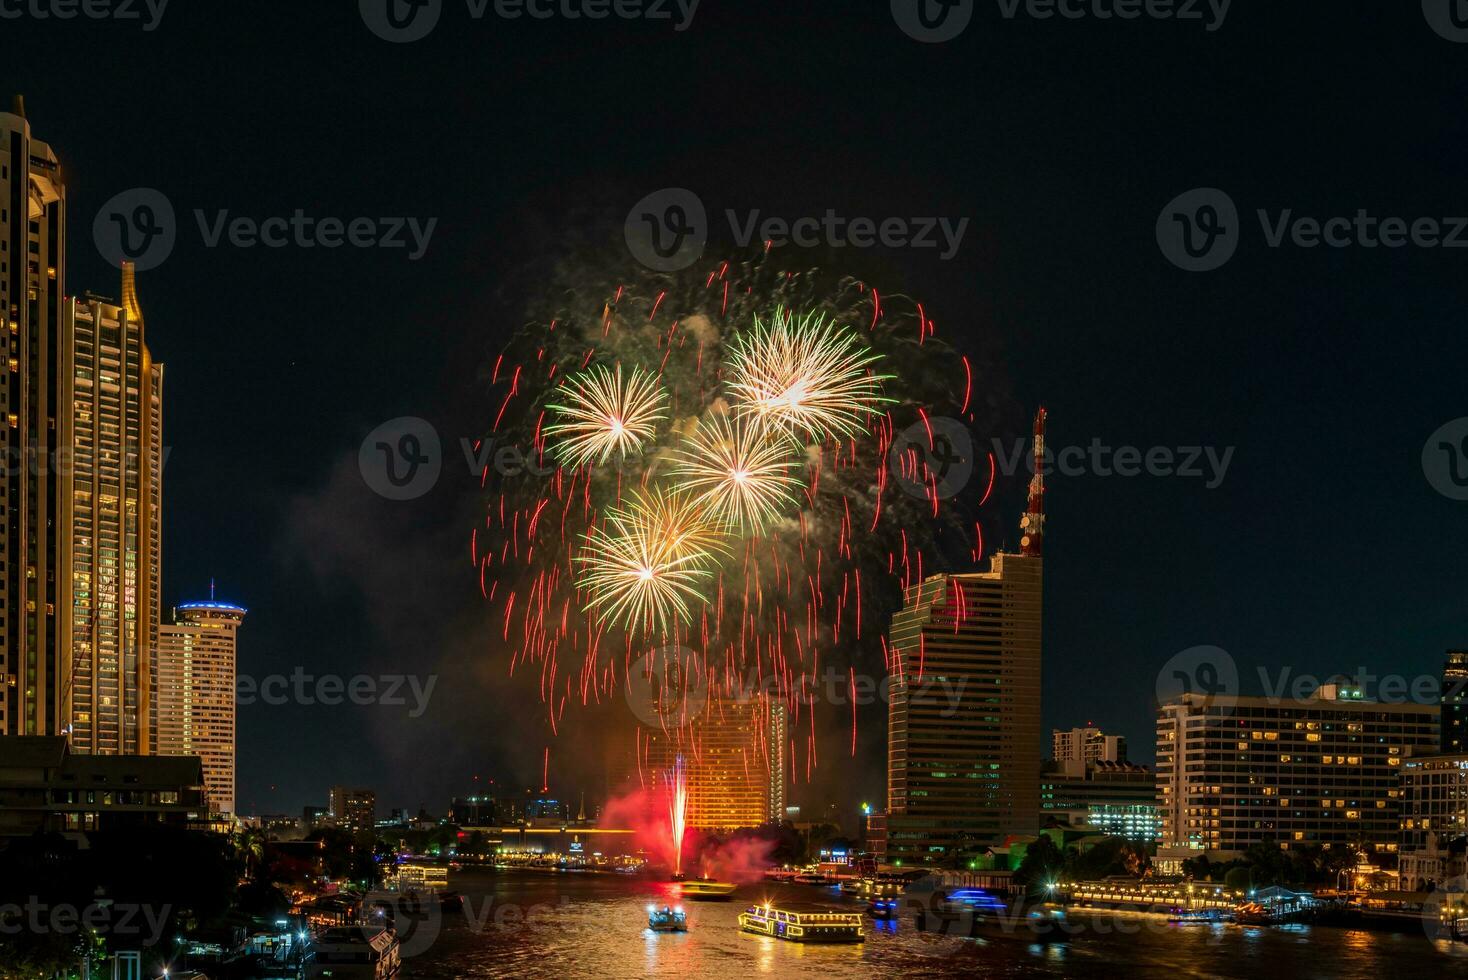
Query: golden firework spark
[(804, 376), (606, 413), (745, 474), (650, 560)]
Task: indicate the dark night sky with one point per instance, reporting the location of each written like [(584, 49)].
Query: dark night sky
[(1325, 548)]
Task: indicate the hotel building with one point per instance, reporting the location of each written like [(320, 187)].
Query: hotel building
[(1434, 810), (196, 692), (1087, 744), (353, 809), (1319, 770), (33, 406), (965, 771), (115, 431)]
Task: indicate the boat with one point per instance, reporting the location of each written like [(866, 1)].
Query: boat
[(666, 919), (708, 890), (1194, 917), (882, 908), (351, 952), (803, 923), (812, 879)]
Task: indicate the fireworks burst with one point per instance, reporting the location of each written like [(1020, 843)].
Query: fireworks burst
[(607, 414), (649, 561), (806, 376), (746, 475)]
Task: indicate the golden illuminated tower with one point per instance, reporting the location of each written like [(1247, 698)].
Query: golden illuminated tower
[(114, 431), (33, 379)]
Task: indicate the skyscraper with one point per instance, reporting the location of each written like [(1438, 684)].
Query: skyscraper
[(1455, 702), (32, 405), (196, 692), (353, 809), (114, 429), (963, 719)]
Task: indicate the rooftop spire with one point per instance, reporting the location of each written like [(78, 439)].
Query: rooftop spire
[(130, 293), (1032, 525)]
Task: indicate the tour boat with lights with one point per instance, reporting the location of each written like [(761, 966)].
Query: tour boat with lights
[(667, 919), (708, 890), (803, 923), (882, 908)]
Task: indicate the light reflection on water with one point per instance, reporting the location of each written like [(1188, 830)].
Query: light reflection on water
[(593, 927)]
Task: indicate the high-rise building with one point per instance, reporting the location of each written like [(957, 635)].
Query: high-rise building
[(1088, 744), (353, 809), (114, 429), (196, 692), (733, 762), (964, 771), (1319, 770), (33, 406), (1455, 703)]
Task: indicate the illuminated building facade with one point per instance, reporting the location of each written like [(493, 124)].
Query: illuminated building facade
[(115, 431), (734, 764), (353, 809), (1114, 798), (33, 381), (1434, 820), (1319, 770), (1455, 702), (1087, 744), (965, 770), (196, 693)]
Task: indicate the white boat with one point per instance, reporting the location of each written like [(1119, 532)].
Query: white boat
[(352, 952)]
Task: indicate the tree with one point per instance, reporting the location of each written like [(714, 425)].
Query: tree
[(1043, 863)]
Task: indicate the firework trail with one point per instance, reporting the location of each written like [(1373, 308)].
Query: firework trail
[(722, 490), (677, 809)]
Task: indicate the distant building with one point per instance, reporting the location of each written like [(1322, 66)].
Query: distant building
[(1320, 770), (1113, 798), (473, 811), (353, 809), (196, 692), (312, 817), (45, 787), (1434, 810), (1087, 744), (1455, 702)]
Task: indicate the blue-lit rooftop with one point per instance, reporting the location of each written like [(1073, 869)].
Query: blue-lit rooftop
[(220, 606)]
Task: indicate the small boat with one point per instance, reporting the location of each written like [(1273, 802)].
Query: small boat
[(708, 890), (812, 879), (1194, 917), (882, 908), (678, 876), (355, 951), (666, 919), (803, 923)]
